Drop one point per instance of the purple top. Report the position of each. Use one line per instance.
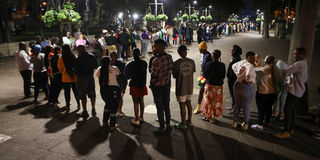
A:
(145, 35)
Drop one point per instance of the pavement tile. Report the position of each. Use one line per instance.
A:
(13, 151)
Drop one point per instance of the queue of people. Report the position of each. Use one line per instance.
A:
(66, 70)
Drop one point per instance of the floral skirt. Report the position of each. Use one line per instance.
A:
(212, 102)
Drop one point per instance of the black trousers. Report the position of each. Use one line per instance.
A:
(66, 87)
(40, 81)
(111, 96)
(55, 88)
(26, 76)
(230, 85)
(264, 104)
(290, 111)
(124, 51)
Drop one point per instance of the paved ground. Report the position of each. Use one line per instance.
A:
(29, 131)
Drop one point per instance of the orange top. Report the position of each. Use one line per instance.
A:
(65, 76)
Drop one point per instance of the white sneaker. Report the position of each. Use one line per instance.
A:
(257, 126)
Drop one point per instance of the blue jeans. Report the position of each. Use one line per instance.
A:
(162, 99)
(281, 99)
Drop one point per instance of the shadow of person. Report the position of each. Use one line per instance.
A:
(16, 106)
(62, 121)
(122, 146)
(43, 111)
(88, 135)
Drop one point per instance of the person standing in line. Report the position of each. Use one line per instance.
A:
(144, 42)
(84, 68)
(25, 68)
(124, 39)
(122, 81)
(214, 72)
(206, 58)
(110, 92)
(297, 78)
(137, 71)
(243, 88)
(55, 76)
(40, 73)
(266, 91)
(232, 77)
(175, 36)
(68, 77)
(160, 83)
(97, 48)
(183, 70)
(278, 108)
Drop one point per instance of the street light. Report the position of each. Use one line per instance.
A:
(120, 15)
(135, 16)
(195, 2)
(210, 6)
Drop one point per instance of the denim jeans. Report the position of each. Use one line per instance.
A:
(111, 96)
(243, 94)
(161, 97)
(281, 99)
(26, 76)
(66, 87)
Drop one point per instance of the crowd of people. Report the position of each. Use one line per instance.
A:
(56, 66)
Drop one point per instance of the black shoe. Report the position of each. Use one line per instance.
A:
(93, 112)
(85, 114)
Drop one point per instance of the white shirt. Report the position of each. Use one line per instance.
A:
(249, 75)
(103, 43)
(113, 73)
(23, 60)
(298, 76)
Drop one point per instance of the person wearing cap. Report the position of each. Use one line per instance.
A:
(183, 70)
(206, 58)
(136, 71)
(236, 52)
(214, 72)
(40, 73)
(84, 68)
(160, 83)
(25, 68)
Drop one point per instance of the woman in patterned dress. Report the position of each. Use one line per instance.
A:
(215, 73)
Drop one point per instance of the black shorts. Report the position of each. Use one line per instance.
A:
(86, 87)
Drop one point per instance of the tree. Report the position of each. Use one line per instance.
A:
(303, 35)
(266, 19)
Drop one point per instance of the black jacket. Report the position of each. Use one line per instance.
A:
(215, 72)
(232, 77)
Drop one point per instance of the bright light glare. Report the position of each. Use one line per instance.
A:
(120, 15)
(135, 16)
(195, 2)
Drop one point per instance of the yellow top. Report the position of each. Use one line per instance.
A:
(65, 76)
